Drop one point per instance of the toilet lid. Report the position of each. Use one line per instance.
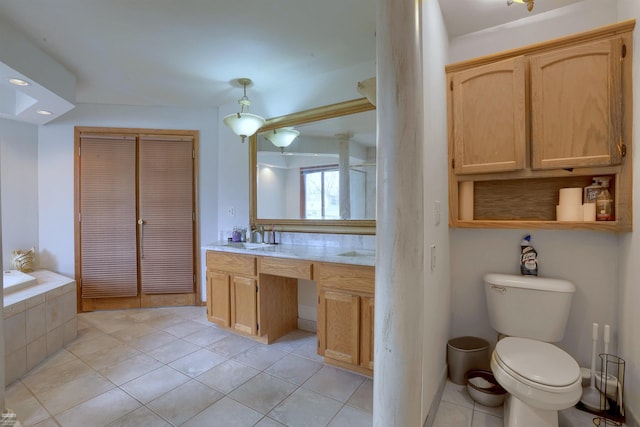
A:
(538, 361)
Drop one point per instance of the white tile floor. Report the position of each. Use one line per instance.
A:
(171, 367)
(458, 409)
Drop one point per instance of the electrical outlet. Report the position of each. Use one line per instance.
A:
(433, 257)
(231, 211)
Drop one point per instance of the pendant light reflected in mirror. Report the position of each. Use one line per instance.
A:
(282, 137)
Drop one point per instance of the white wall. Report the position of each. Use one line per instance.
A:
(56, 171)
(565, 21)
(628, 313)
(437, 288)
(588, 259)
(19, 168)
(272, 191)
(292, 198)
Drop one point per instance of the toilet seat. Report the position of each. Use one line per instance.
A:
(538, 364)
(510, 365)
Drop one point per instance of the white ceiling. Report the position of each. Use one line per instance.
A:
(189, 52)
(468, 16)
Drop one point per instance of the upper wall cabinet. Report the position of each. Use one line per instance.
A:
(576, 106)
(481, 97)
(527, 122)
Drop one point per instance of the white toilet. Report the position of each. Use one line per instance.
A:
(541, 379)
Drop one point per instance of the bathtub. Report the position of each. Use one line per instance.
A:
(39, 318)
(14, 280)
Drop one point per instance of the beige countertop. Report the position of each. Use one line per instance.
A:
(335, 254)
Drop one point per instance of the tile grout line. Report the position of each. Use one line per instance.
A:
(287, 351)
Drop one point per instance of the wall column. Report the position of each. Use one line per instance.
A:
(397, 399)
(345, 183)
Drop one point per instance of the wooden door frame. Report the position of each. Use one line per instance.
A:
(195, 134)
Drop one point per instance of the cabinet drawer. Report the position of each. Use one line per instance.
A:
(357, 278)
(232, 263)
(297, 269)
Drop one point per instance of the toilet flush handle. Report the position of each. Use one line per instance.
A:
(500, 289)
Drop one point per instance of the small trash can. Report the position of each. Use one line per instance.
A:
(465, 354)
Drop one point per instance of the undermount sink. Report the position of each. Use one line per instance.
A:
(264, 247)
(246, 245)
(359, 253)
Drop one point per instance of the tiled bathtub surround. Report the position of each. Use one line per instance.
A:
(38, 321)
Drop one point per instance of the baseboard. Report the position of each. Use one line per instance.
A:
(433, 410)
(307, 325)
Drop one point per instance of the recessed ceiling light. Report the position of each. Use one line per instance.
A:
(44, 112)
(19, 82)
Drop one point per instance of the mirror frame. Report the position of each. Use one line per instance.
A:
(351, 226)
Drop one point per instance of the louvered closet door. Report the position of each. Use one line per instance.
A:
(166, 209)
(107, 225)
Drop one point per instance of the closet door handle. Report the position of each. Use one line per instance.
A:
(141, 224)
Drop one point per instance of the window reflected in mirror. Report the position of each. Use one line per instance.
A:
(328, 172)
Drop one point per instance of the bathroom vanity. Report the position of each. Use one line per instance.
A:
(252, 290)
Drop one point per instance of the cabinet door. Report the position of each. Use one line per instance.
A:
(489, 125)
(338, 326)
(576, 98)
(166, 207)
(219, 298)
(366, 332)
(243, 305)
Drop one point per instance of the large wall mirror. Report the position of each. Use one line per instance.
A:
(325, 180)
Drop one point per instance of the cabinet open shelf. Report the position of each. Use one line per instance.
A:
(531, 203)
(557, 225)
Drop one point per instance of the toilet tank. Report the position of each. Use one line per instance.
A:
(528, 306)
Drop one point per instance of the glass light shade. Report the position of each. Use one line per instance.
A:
(244, 124)
(282, 137)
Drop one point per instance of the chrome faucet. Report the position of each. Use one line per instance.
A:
(259, 232)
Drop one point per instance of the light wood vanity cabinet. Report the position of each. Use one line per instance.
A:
(527, 122)
(366, 331)
(219, 297)
(232, 287)
(345, 315)
(244, 304)
(257, 297)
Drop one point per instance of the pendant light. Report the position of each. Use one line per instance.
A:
(243, 123)
(282, 137)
